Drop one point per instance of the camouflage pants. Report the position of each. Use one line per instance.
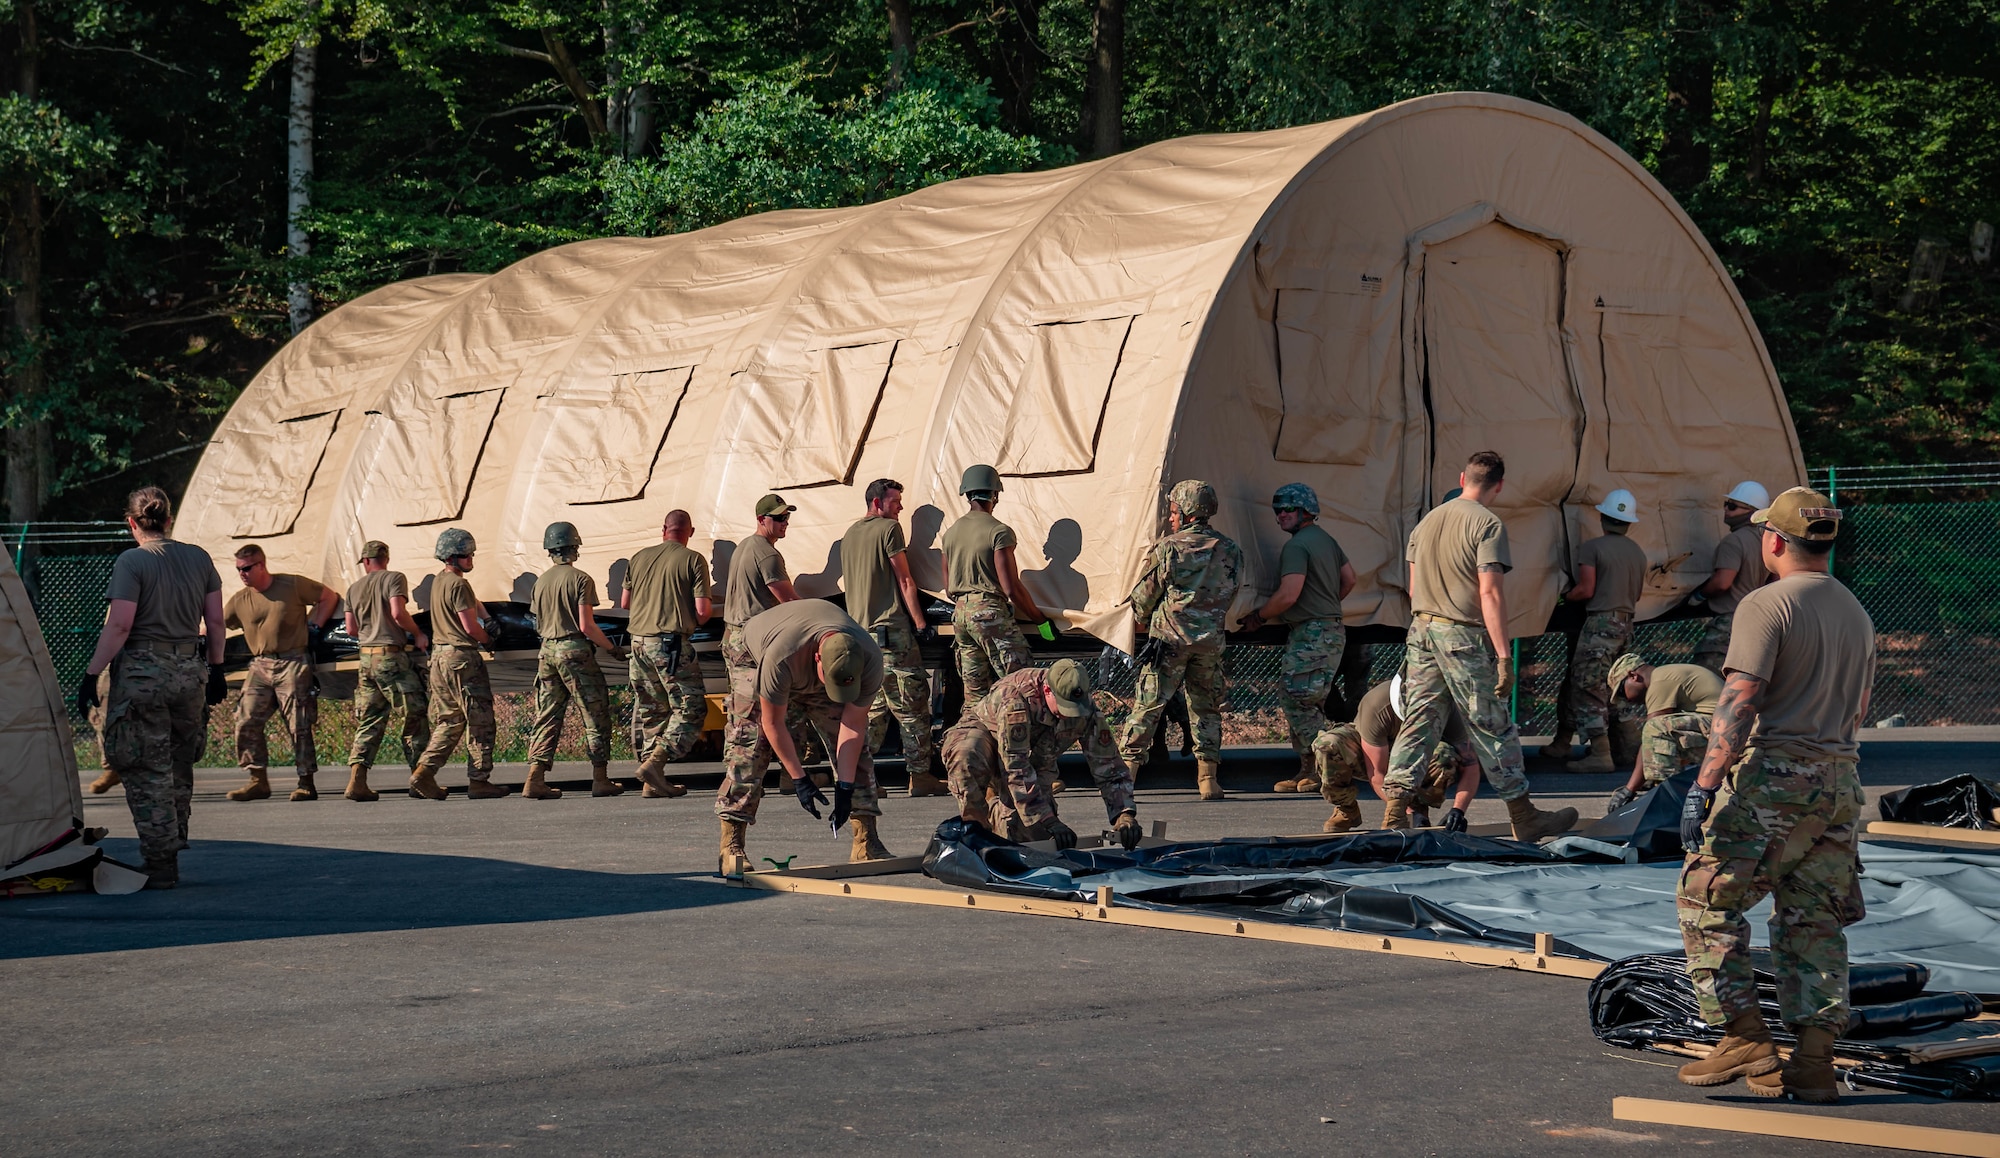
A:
(386, 683)
(461, 702)
(1714, 645)
(1670, 743)
(155, 726)
(746, 754)
(1307, 666)
(667, 710)
(1446, 662)
(986, 642)
(565, 670)
(971, 759)
(1342, 765)
(734, 656)
(276, 685)
(1783, 828)
(1606, 635)
(1198, 672)
(906, 695)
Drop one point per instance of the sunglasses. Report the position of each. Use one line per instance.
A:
(246, 570)
(1288, 510)
(779, 518)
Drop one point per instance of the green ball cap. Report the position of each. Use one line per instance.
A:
(1071, 686)
(841, 662)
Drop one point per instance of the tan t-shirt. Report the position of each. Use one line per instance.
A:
(1682, 687)
(169, 582)
(1316, 555)
(368, 601)
(664, 582)
(1621, 572)
(554, 604)
(451, 593)
(1378, 723)
(1809, 639)
(1445, 553)
(776, 638)
(752, 569)
(865, 572)
(969, 547)
(1743, 550)
(274, 619)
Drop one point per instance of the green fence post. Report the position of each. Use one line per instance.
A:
(21, 547)
(1514, 693)
(1833, 499)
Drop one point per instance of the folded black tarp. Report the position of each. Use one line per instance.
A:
(1961, 802)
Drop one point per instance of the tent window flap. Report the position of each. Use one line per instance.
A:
(439, 444)
(273, 472)
(603, 437)
(1327, 375)
(1057, 410)
(830, 411)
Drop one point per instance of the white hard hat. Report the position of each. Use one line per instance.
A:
(1750, 494)
(1620, 505)
(1396, 694)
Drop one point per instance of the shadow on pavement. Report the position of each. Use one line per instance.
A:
(252, 891)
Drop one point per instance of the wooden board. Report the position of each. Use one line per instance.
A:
(1935, 834)
(1808, 1126)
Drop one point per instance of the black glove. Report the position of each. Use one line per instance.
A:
(843, 805)
(1619, 799)
(314, 634)
(218, 686)
(1454, 820)
(86, 692)
(1062, 835)
(808, 793)
(927, 634)
(1693, 812)
(1127, 827)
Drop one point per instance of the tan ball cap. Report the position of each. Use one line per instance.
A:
(841, 662)
(372, 549)
(773, 505)
(1070, 685)
(1623, 666)
(1802, 513)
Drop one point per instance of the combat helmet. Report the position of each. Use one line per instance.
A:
(562, 538)
(452, 543)
(1194, 499)
(980, 482)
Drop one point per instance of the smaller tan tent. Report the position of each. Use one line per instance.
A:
(39, 795)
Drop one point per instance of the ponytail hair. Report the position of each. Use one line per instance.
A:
(150, 509)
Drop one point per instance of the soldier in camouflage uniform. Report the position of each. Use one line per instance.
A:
(882, 597)
(1313, 577)
(281, 617)
(666, 590)
(1678, 703)
(1739, 569)
(1183, 596)
(1610, 573)
(461, 692)
(564, 605)
(387, 678)
(1008, 744)
(984, 582)
(1775, 810)
(1348, 754)
(160, 654)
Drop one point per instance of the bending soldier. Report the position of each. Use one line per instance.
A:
(1345, 753)
(461, 692)
(666, 590)
(1680, 703)
(1008, 744)
(565, 608)
(883, 598)
(281, 617)
(984, 582)
(1610, 573)
(1739, 570)
(386, 679)
(1313, 577)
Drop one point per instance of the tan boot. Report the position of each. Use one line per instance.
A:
(306, 789)
(424, 783)
(925, 784)
(259, 787)
(734, 860)
(655, 786)
(1345, 818)
(1056, 787)
(1809, 1076)
(1559, 747)
(1599, 759)
(1746, 1050)
(601, 783)
(1396, 809)
(1307, 781)
(867, 845)
(357, 784)
(1531, 823)
(1208, 776)
(484, 789)
(106, 782)
(537, 787)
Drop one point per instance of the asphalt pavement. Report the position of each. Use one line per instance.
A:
(567, 977)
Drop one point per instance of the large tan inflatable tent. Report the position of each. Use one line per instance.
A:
(1356, 305)
(40, 798)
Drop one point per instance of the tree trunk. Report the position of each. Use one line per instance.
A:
(29, 450)
(572, 78)
(1017, 66)
(298, 180)
(1103, 121)
(1685, 154)
(902, 41)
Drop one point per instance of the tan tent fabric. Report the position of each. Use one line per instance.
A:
(40, 796)
(1355, 305)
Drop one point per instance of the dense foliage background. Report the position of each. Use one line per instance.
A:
(1840, 154)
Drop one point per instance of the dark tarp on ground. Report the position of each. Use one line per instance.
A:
(1963, 801)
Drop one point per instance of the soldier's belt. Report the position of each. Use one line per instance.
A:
(577, 638)
(294, 656)
(163, 647)
(382, 648)
(456, 646)
(1445, 619)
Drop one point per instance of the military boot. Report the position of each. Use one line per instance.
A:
(867, 845)
(1745, 1051)
(1809, 1076)
(655, 786)
(601, 783)
(1395, 808)
(537, 787)
(1208, 776)
(733, 860)
(306, 789)
(925, 784)
(424, 783)
(259, 787)
(106, 782)
(357, 784)
(1599, 758)
(1346, 817)
(1559, 747)
(163, 872)
(1307, 780)
(483, 788)
(1532, 824)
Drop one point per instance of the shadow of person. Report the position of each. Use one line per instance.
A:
(823, 582)
(421, 593)
(614, 581)
(524, 588)
(718, 570)
(1059, 584)
(926, 560)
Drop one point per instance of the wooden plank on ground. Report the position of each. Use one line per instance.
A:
(1811, 1127)
(1934, 833)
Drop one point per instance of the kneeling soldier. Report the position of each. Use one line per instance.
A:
(1680, 705)
(1343, 753)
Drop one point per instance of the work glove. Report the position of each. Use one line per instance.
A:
(927, 634)
(218, 686)
(86, 692)
(1503, 677)
(1127, 827)
(491, 627)
(1454, 820)
(1693, 812)
(843, 805)
(1047, 630)
(314, 634)
(1063, 836)
(1620, 799)
(810, 797)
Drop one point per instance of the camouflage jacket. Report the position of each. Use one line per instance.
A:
(1029, 737)
(1190, 579)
